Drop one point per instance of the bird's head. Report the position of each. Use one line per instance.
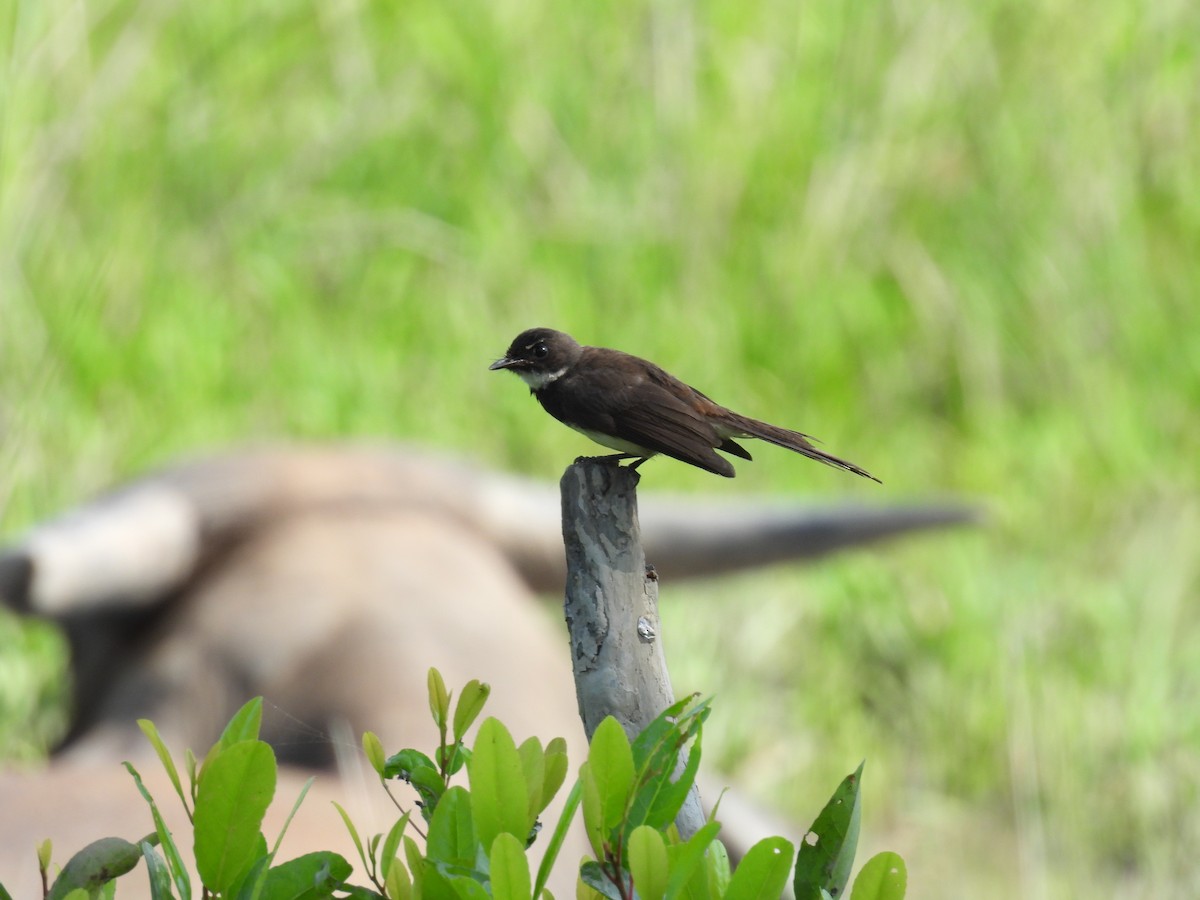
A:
(539, 356)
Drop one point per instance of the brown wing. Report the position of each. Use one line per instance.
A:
(642, 405)
(674, 430)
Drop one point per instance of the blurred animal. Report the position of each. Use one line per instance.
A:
(328, 579)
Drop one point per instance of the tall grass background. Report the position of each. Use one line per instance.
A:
(960, 243)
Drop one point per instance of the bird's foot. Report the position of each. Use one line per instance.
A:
(614, 459)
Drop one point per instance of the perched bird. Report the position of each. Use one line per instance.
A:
(631, 405)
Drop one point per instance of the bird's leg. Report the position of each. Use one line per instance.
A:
(616, 458)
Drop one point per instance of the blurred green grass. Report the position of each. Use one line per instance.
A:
(960, 244)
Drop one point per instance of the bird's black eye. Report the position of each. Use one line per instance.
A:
(540, 350)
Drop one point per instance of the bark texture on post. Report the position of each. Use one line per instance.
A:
(611, 608)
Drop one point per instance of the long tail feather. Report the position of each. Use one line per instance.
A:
(797, 442)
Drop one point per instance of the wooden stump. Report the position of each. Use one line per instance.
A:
(611, 607)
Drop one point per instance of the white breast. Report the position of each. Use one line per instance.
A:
(605, 440)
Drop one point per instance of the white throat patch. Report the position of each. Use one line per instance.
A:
(538, 380)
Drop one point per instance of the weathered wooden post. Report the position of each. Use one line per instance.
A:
(611, 608)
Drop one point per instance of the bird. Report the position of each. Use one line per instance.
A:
(630, 405)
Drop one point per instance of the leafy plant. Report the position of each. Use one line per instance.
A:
(631, 795)
(476, 836)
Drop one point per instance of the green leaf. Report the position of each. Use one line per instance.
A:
(509, 869)
(827, 851)
(533, 768)
(94, 866)
(716, 869)
(246, 882)
(584, 891)
(292, 814)
(164, 757)
(442, 882)
(351, 892)
(593, 811)
(189, 763)
(397, 881)
(235, 790)
(468, 888)
(244, 726)
(307, 877)
(179, 873)
(555, 769)
(452, 832)
(611, 762)
(418, 770)
(429, 786)
(4, 894)
(661, 790)
(557, 838)
(763, 871)
(648, 862)
(453, 758)
(435, 885)
(44, 851)
(884, 877)
(373, 748)
(439, 702)
(355, 839)
(499, 800)
(470, 704)
(392, 844)
(354, 892)
(670, 730)
(412, 853)
(251, 884)
(403, 764)
(686, 857)
(160, 875)
(594, 877)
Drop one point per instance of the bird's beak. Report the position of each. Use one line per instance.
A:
(505, 363)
